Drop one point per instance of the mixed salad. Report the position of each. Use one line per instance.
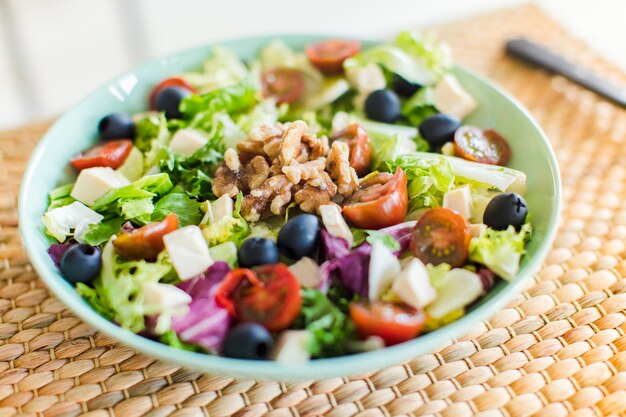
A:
(302, 205)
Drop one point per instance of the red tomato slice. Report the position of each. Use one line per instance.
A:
(486, 146)
(360, 148)
(394, 323)
(285, 84)
(147, 241)
(268, 295)
(111, 154)
(168, 82)
(328, 56)
(382, 201)
(440, 236)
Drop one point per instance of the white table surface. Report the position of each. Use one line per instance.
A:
(53, 53)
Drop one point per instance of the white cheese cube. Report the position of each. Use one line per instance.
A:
(451, 98)
(306, 271)
(60, 221)
(292, 347)
(366, 79)
(413, 285)
(384, 267)
(188, 251)
(458, 288)
(222, 208)
(159, 297)
(334, 222)
(459, 200)
(477, 229)
(93, 183)
(187, 141)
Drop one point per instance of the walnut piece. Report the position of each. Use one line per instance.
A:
(232, 182)
(315, 193)
(318, 145)
(274, 194)
(338, 166)
(297, 172)
(231, 159)
(291, 142)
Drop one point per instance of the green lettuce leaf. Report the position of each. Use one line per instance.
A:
(234, 229)
(102, 232)
(222, 69)
(117, 292)
(178, 202)
(500, 250)
(436, 57)
(200, 109)
(60, 196)
(427, 182)
(171, 338)
(329, 327)
(419, 106)
(134, 201)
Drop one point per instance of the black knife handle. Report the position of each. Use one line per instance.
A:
(540, 56)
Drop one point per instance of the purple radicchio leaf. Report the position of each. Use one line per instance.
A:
(127, 228)
(487, 278)
(206, 323)
(57, 250)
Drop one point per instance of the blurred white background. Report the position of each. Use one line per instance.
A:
(53, 53)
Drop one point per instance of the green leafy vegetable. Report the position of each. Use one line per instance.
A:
(427, 182)
(178, 202)
(436, 57)
(329, 327)
(234, 229)
(500, 250)
(117, 292)
(222, 69)
(200, 109)
(371, 236)
(171, 338)
(193, 174)
(436, 273)
(419, 106)
(102, 232)
(60, 196)
(134, 201)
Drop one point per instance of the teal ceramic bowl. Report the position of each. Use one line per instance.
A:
(76, 131)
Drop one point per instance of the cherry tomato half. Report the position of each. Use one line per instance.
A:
(268, 295)
(380, 202)
(168, 82)
(486, 146)
(360, 148)
(147, 241)
(328, 56)
(111, 154)
(440, 236)
(394, 323)
(285, 84)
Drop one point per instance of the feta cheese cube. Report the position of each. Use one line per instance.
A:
(334, 222)
(366, 79)
(60, 221)
(93, 183)
(222, 208)
(187, 141)
(451, 97)
(413, 285)
(384, 267)
(306, 271)
(458, 288)
(477, 229)
(292, 347)
(188, 251)
(159, 297)
(459, 200)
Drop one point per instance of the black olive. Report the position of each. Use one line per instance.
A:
(504, 210)
(248, 341)
(383, 106)
(116, 126)
(81, 263)
(299, 236)
(257, 251)
(168, 100)
(439, 128)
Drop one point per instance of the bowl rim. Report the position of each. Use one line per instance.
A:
(319, 368)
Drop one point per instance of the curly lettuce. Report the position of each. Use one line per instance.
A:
(500, 250)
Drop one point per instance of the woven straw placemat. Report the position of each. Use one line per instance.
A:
(558, 349)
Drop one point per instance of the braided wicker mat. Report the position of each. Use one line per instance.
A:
(558, 349)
